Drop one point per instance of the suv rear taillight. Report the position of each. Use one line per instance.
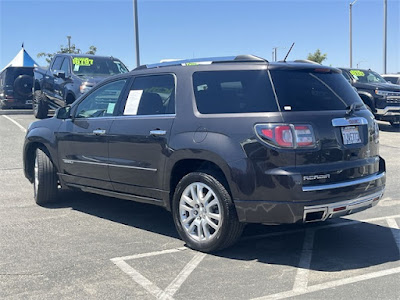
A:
(286, 135)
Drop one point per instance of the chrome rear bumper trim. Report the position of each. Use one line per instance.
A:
(347, 207)
(343, 184)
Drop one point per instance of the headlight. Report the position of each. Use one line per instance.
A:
(85, 87)
(384, 93)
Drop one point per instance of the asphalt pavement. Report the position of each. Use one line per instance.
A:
(92, 247)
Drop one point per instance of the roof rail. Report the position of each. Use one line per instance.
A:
(306, 61)
(205, 61)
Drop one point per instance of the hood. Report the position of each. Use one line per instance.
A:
(93, 79)
(377, 85)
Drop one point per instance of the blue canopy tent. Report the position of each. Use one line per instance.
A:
(22, 59)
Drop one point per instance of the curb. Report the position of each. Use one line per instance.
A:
(16, 112)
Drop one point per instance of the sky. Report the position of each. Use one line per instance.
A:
(187, 29)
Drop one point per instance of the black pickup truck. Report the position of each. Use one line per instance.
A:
(381, 97)
(68, 77)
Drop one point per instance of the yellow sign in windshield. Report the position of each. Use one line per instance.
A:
(82, 61)
(357, 73)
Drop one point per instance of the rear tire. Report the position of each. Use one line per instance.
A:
(204, 214)
(39, 105)
(45, 183)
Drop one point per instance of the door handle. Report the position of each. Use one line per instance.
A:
(158, 132)
(99, 131)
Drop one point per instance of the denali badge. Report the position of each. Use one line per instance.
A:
(313, 177)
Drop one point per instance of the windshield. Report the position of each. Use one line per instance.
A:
(309, 90)
(364, 76)
(97, 66)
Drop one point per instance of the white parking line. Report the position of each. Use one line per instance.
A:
(16, 123)
(301, 280)
(331, 284)
(183, 275)
(149, 286)
(300, 285)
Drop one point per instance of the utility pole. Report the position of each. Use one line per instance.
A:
(351, 32)
(69, 43)
(274, 53)
(384, 35)
(135, 16)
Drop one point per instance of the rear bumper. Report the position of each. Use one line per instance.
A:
(335, 200)
(8, 103)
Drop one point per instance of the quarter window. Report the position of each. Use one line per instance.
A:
(222, 92)
(151, 95)
(101, 102)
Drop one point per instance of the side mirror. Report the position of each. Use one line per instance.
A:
(63, 113)
(59, 74)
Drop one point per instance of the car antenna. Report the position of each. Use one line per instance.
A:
(288, 53)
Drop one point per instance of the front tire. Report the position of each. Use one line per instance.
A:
(45, 183)
(204, 214)
(39, 105)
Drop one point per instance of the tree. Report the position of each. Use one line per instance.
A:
(66, 49)
(317, 56)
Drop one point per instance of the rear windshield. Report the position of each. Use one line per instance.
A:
(97, 66)
(219, 92)
(304, 90)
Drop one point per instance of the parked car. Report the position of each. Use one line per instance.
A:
(393, 78)
(68, 77)
(218, 142)
(16, 87)
(381, 97)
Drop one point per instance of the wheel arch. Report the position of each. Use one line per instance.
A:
(70, 97)
(29, 157)
(368, 99)
(184, 166)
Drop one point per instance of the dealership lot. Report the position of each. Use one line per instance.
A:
(92, 247)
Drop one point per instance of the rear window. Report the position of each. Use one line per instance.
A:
(221, 92)
(304, 90)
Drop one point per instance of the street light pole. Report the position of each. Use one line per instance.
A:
(351, 33)
(135, 16)
(384, 35)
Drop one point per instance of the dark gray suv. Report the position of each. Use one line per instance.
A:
(219, 142)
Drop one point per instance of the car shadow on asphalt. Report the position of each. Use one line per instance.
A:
(337, 244)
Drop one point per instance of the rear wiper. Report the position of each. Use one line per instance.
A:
(352, 108)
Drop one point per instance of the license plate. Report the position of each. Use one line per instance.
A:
(350, 135)
(28, 102)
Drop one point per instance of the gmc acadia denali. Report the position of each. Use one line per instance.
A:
(218, 142)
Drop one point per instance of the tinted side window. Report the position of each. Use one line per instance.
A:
(101, 102)
(305, 90)
(151, 95)
(219, 92)
(57, 63)
(65, 66)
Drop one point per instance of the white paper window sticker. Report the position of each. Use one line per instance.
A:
(76, 68)
(132, 103)
(110, 108)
